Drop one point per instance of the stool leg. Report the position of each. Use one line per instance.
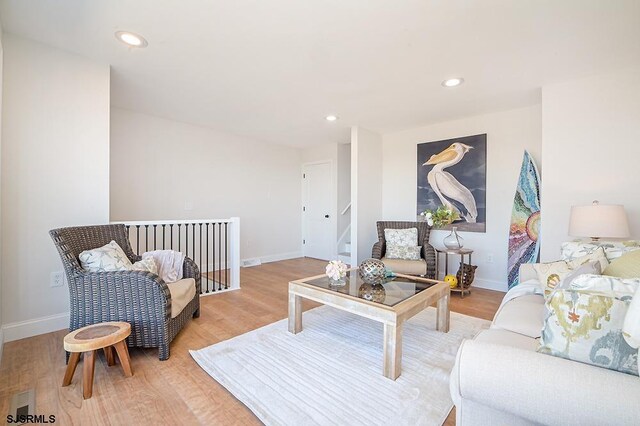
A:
(108, 354)
(71, 368)
(89, 359)
(123, 354)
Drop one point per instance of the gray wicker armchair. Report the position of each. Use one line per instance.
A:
(140, 298)
(428, 254)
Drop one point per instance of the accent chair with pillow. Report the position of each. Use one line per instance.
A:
(408, 252)
(109, 282)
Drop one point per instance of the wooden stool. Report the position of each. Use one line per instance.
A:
(87, 340)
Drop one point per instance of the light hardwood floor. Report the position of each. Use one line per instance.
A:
(175, 391)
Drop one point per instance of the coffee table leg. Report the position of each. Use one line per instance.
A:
(392, 348)
(442, 321)
(295, 314)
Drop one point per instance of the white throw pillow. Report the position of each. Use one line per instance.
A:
(401, 237)
(108, 258)
(147, 265)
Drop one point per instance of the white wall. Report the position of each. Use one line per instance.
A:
(366, 191)
(164, 169)
(1, 78)
(509, 133)
(590, 150)
(55, 172)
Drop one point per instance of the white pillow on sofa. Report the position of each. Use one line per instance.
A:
(108, 258)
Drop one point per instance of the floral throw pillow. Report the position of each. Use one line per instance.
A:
(587, 327)
(597, 254)
(107, 258)
(613, 249)
(403, 252)
(401, 237)
(551, 274)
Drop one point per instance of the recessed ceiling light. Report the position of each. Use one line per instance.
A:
(453, 82)
(331, 117)
(131, 39)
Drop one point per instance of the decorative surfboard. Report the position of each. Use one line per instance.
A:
(524, 233)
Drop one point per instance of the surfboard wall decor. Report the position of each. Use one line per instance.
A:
(524, 232)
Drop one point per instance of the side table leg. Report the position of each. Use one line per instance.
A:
(295, 314)
(71, 368)
(392, 351)
(89, 359)
(123, 354)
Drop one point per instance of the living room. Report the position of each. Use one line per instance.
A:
(252, 115)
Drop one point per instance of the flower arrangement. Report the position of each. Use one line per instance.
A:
(440, 217)
(336, 270)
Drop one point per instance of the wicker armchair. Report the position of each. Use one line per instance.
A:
(428, 253)
(140, 298)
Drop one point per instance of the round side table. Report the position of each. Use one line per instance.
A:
(455, 252)
(87, 340)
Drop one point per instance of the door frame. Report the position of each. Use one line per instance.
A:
(333, 209)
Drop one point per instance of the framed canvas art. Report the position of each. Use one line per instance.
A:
(453, 173)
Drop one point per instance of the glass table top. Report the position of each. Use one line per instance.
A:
(390, 292)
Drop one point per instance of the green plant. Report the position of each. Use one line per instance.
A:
(440, 217)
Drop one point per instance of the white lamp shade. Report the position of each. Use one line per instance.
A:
(599, 220)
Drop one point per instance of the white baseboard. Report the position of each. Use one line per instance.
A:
(33, 327)
(276, 257)
(490, 284)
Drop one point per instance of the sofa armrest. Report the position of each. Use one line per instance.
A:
(527, 272)
(542, 388)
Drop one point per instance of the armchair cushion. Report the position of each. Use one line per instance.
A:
(182, 292)
(407, 267)
(107, 258)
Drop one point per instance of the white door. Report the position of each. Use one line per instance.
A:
(316, 210)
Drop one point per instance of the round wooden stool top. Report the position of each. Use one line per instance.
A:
(96, 336)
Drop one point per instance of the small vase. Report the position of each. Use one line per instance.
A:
(337, 283)
(453, 241)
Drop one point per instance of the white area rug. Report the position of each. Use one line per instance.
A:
(331, 372)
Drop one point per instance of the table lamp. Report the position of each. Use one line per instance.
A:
(598, 220)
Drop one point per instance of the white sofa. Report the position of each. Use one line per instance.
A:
(500, 379)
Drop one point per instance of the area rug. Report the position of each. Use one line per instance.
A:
(331, 372)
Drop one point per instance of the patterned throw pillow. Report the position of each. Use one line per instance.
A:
(146, 264)
(587, 327)
(107, 258)
(401, 237)
(621, 288)
(551, 274)
(613, 249)
(403, 252)
(626, 266)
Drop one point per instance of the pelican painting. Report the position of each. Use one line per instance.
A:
(446, 186)
(453, 173)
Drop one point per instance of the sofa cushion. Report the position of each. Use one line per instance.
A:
(182, 292)
(508, 338)
(408, 267)
(523, 315)
(613, 249)
(626, 266)
(587, 327)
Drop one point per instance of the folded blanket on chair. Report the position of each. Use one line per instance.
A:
(169, 264)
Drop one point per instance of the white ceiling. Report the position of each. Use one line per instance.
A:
(273, 69)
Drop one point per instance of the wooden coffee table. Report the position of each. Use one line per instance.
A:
(392, 303)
